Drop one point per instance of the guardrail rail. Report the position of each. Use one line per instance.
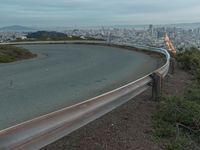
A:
(41, 131)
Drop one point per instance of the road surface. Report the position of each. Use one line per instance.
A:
(63, 75)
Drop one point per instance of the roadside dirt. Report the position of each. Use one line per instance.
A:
(127, 127)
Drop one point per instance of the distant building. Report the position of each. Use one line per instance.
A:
(82, 37)
(23, 37)
(151, 30)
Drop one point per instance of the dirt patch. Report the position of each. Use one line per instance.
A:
(125, 128)
(175, 85)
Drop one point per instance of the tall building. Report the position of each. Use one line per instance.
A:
(151, 30)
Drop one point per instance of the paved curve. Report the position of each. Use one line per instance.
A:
(63, 75)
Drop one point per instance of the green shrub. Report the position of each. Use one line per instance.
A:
(175, 110)
(177, 117)
(193, 92)
(5, 59)
(181, 143)
(10, 53)
(190, 59)
(197, 75)
(163, 129)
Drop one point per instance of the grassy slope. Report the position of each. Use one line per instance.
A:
(177, 122)
(11, 53)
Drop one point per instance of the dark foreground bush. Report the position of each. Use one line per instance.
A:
(177, 121)
(193, 92)
(180, 112)
(182, 142)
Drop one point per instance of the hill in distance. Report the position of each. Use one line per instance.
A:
(46, 35)
(17, 28)
(54, 36)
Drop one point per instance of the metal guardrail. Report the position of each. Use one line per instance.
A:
(41, 131)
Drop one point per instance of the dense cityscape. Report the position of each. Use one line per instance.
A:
(150, 36)
(100, 75)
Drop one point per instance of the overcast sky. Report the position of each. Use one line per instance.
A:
(97, 12)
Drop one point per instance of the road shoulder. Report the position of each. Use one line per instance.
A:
(127, 127)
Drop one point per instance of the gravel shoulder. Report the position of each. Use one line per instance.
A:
(127, 127)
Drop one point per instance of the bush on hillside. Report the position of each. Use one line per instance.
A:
(190, 61)
(10, 53)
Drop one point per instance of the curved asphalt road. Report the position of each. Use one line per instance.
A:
(63, 75)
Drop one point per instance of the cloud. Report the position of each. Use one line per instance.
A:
(97, 12)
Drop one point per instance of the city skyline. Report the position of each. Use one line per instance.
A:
(97, 13)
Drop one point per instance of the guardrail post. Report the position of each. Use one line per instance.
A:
(156, 86)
